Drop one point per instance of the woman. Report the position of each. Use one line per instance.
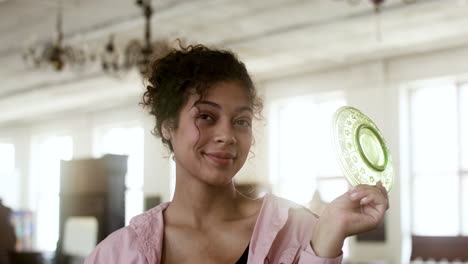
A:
(204, 103)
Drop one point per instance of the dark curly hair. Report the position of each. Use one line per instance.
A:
(195, 68)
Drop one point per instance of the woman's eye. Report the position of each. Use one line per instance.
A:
(205, 117)
(243, 123)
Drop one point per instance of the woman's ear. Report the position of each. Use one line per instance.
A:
(165, 130)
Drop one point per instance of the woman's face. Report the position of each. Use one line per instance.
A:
(214, 134)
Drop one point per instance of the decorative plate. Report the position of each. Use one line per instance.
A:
(361, 149)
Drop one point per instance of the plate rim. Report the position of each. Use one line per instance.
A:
(339, 150)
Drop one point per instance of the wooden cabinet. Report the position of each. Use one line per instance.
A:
(92, 187)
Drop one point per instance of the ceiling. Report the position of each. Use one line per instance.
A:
(273, 37)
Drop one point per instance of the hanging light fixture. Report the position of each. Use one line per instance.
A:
(110, 57)
(378, 23)
(377, 9)
(136, 53)
(377, 3)
(55, 53)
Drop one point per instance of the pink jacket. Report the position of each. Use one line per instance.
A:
(282, 234)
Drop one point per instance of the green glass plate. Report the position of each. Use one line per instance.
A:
(361, 149)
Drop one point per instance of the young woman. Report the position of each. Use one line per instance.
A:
(204, 103)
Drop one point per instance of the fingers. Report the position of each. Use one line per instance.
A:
(367, 194)
(384, 192)
(382, 188)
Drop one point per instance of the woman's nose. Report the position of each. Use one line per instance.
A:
(226, 139)
(225, 134)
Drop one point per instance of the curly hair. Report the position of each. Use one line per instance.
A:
(195, 68)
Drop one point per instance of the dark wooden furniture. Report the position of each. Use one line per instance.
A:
(92, 187)
(437, 248)
(25, 258)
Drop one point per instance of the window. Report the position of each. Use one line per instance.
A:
(125, 141)
(172, 177)
(8, 178)
(463, 136)
(45, 186)
(439, 159)
(303, 159)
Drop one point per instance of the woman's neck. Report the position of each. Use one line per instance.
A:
(198, 204)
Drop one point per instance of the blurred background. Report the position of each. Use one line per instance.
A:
(71, 84)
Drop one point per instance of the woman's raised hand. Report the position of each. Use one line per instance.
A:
(359, 210)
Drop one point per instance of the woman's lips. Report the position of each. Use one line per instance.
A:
(220, 158)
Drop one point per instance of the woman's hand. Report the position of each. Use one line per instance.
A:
(359, 210)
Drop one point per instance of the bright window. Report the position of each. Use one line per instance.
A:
(125, 141)
(303, 159)
(172, 177)
(463, 136)
(45, 186)
(439, 155)
(8, 178)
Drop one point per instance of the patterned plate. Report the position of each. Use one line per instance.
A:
(361, 149)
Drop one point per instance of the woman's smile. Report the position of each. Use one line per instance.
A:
(221, 158)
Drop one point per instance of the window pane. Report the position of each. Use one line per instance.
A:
(434, 130)
(303, 157)
(330, 189)
(296, 154)
(46, 185)
(9, 187)
(435, 205)
(328, 165)
(464, 205)
(47, 222)
(305, 149)
(172, 177)
(133, 204)
(126, 141)
(464, 127)
(7, 156)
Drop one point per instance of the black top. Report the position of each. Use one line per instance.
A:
(243, 258)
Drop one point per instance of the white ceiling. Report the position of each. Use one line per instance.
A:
(273, 37)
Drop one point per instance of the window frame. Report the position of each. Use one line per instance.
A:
(275, 107)
(460, 173)
(11, 201)
(35, 193)
(97, 133)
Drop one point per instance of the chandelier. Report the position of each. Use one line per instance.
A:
(137, 53)
(377, 8)
(55, 53)
(377, 3)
